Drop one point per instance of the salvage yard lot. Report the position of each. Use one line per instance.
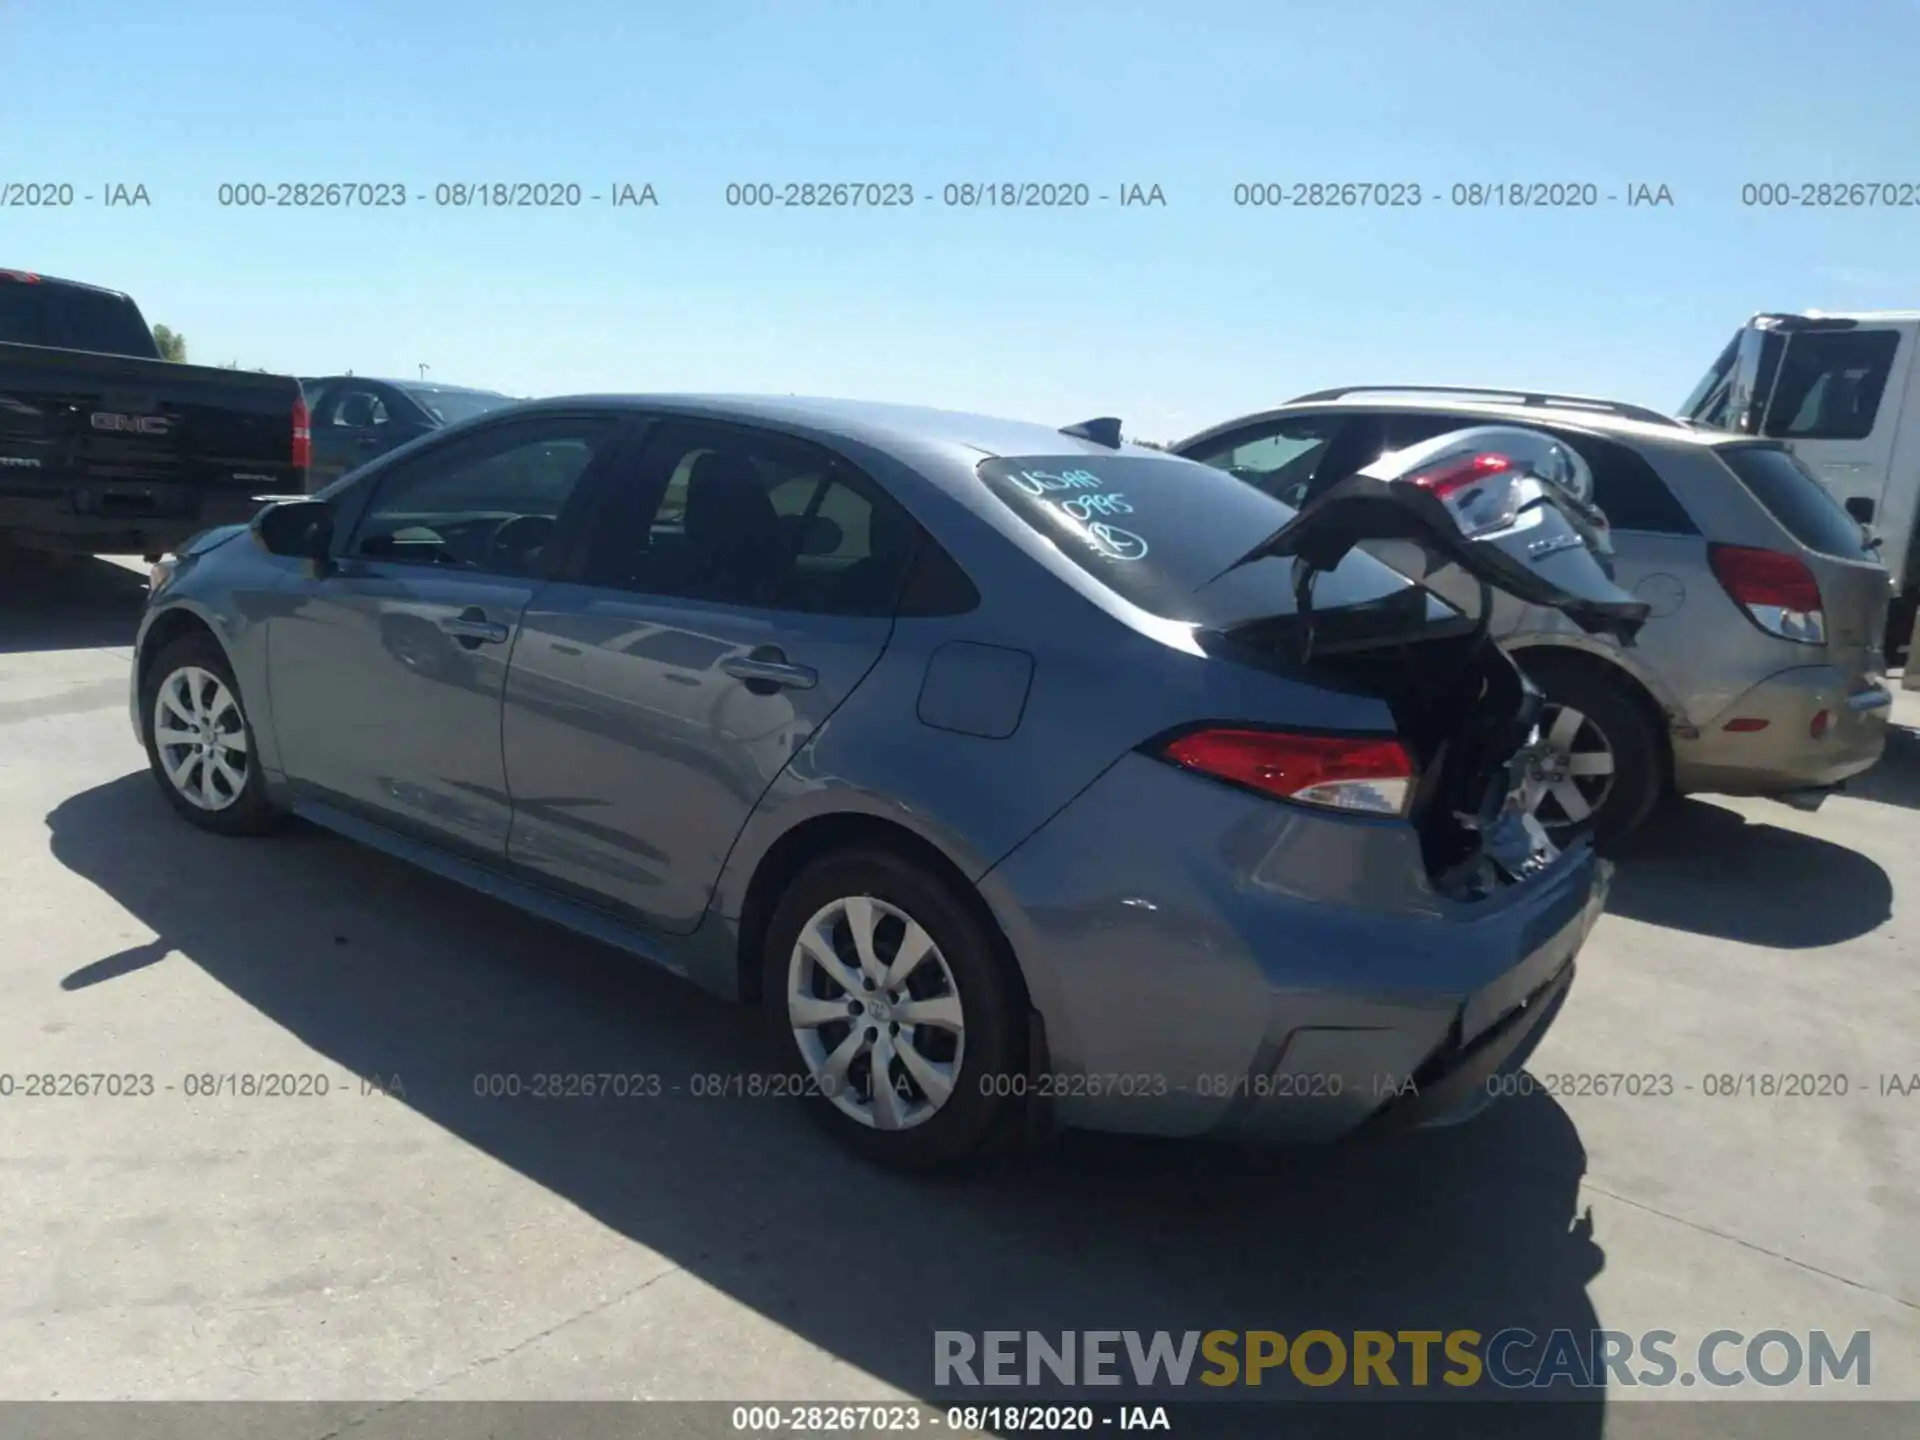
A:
(449, 1244)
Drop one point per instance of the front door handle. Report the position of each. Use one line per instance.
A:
(767, 669)
(471, 627)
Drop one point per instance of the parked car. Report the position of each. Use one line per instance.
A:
(105, 448)
(356, 419)
(1760, 671)
(1842, 391)
(1022, 776)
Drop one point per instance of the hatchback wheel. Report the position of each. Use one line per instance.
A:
(1601, 772)
(895, 1009)
(200, 743)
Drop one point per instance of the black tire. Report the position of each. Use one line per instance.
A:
(981, 1108)
(250, 812)
(1639, 748)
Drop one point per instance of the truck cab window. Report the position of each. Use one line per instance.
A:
(1830, 383)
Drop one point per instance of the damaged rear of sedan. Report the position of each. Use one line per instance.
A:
(1054, 782)
(1318, 900)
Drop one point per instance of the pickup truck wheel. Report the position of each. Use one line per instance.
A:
(200, 743)
(1603, 772)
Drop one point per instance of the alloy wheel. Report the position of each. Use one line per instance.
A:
(1574, 773)
(875, 1013)
(200, 736)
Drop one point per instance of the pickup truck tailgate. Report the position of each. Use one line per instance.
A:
(136, 451)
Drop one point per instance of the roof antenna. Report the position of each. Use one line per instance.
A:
(1103, 431)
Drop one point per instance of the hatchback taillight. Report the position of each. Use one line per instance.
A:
(1370, 774)
(1477, 489)
(1777, 591)
(1458, 472)
(302, 436)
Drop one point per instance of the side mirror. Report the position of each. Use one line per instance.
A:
(297, 529)
(1861, 509)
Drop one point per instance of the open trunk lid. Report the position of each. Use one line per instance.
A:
(1379, 588)
(1490, 508)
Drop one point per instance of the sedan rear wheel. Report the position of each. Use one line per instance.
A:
(895, 1007)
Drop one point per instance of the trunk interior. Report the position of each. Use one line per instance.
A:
(1463, 710)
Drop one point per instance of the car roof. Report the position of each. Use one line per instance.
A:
(1882, 316)
(430, 386)
(880, 424)
(1495, 412)
(35, 277)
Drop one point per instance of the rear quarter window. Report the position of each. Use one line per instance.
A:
(1794, 496)
(1629, 491)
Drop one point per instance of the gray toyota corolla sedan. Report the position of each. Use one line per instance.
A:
(1023, 777)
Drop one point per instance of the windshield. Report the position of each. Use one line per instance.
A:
(1159, 532)
(72, 317)
(1698, 404)
(449, 406)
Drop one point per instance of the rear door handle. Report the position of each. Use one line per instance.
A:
(472, 625)
(767, 669)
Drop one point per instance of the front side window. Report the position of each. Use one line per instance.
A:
(489, 502)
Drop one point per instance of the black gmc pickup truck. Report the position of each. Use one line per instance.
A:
(105, 448)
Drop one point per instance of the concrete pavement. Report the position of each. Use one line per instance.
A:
(443, 1243)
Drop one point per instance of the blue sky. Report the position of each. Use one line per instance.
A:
(1171, 317)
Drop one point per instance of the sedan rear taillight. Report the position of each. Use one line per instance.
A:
(1369, 774)
(1777, 591)
(302, 436)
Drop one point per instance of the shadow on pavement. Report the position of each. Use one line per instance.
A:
(67, 604)
(387, 971)
(1896, 779)
(1701, 867)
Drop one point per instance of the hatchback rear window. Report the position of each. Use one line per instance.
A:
(450, 406)
(1794, 496)
(1158, 532)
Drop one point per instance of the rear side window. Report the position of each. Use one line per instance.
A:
(1830, 384)
(1796, 498)
(71, 317)
(1158, 531)
(1628, 490)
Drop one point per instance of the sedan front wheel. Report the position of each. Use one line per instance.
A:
(200, 744)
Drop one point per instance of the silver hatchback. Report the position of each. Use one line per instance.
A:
(1759, 671)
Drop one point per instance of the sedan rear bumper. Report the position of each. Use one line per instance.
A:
(1211, 962)
(1784, 753)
